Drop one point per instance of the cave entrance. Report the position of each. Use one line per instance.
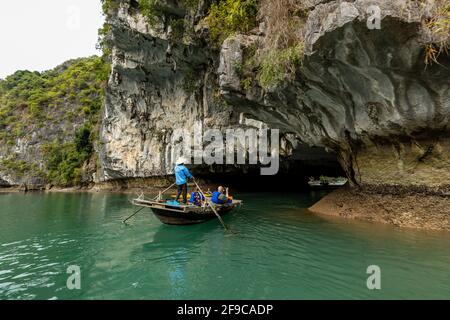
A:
(293, 175)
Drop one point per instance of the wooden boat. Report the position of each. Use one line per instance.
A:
(327, 183)
(179, 214)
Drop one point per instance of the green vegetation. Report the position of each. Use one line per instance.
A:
(228, 17)
(249, 66)
(20, 167)
(64, 161)
(439, 24)
(152, 9)
(78, 81)
(278, 65)
(284, 43)
(103, 43)
(191, 4)
(190, 82)
(52, 104)
(109, 5)
(103, 40)
(177, 26)
(281, 54)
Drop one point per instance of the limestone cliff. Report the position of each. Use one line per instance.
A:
(160, 82)
(48, 124)
(366, 95)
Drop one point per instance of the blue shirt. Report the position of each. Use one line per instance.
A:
(182, 174)
(215, 198)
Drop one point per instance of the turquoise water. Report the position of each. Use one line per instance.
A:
(277, 251)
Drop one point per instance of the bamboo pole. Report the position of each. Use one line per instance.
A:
(161, 193)
(157, 197)
(125, 221)
(212, 207)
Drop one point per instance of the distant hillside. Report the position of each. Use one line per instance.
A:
(49, 123)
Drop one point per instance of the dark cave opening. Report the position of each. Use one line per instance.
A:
(294, 172)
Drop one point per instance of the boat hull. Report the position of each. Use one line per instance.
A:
(176, 214)
(187, 218)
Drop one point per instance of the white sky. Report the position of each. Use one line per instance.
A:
(38, 35)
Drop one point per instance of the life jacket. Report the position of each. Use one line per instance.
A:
(216, 198)
(201, 197)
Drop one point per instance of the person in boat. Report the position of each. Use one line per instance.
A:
(197, 198)
(182, 175)
(220, 196)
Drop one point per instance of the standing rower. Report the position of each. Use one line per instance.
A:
(182, 175)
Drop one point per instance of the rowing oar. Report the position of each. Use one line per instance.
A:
(124, 221)
(212, 207)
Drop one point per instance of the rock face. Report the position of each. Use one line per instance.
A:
(4, 183)
(158, 85)
(385, 111)
(364, 95)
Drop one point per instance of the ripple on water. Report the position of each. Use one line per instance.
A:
(277, 251)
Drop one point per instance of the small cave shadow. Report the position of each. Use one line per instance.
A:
(294, 179)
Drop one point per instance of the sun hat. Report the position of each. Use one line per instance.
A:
(180, 160)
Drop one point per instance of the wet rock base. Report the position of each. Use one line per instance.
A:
(413, 207)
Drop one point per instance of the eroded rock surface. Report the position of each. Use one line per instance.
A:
(158, 85)
(364, 94)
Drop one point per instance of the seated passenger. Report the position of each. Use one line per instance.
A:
(219, 196)
(197, 198)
